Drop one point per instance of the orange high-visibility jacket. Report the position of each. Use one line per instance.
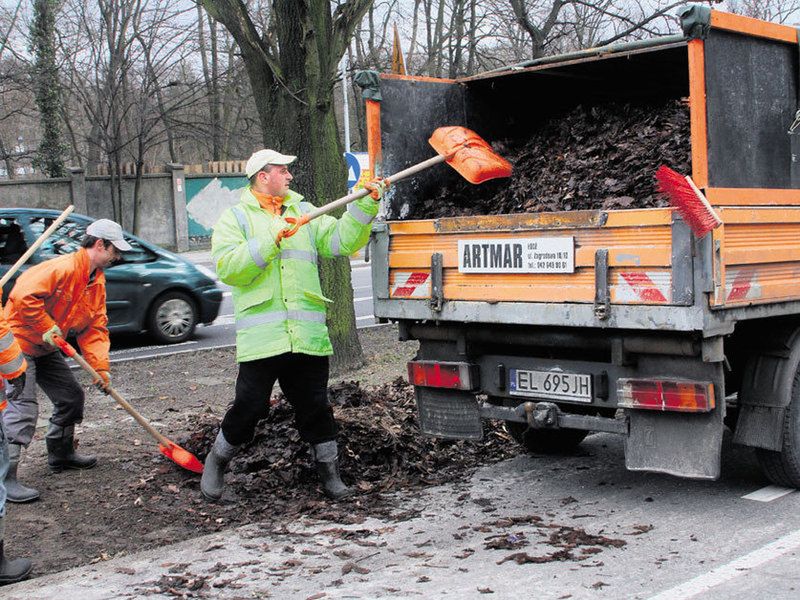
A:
(59, 292)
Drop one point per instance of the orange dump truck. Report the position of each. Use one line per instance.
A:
(616, 321)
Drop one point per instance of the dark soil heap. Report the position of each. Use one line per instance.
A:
(381, 449)
(598, 157)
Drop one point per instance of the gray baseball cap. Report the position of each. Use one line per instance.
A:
(106, 229)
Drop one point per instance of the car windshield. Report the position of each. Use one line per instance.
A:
(68, 237)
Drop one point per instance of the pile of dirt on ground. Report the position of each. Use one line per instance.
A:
(596, 157)
(381, 450)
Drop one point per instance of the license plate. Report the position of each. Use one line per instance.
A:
(553, 385)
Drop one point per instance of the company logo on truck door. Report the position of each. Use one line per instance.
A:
(517, 255)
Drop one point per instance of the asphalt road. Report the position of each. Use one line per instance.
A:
(732, 539)
(221, 333)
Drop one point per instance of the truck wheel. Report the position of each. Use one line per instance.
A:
(545, 441)
(782, 467)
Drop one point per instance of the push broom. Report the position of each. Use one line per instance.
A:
(688, 200)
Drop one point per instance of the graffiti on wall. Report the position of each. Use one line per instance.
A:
(207, 197)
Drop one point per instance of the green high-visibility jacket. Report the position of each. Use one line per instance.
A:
(277, 299)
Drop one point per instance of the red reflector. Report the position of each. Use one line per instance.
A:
(667, 395)
(453, 375)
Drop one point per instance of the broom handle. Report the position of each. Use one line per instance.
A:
(67, 349)
(46, 234)
(703, 199)
(412, 170)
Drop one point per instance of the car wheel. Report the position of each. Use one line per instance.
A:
(172, 318)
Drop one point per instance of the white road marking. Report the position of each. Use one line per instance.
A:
(732, 570)
(226, 294)
(141, 348)
(160, 354)
(362, 298)
(769, 493)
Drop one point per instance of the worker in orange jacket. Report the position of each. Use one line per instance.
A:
(12, 377)
(60, 297)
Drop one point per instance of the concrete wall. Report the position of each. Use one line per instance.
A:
(156, 217)
(162, 214)
(31, 193)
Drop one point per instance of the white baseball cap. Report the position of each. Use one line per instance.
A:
(262, 158)
(106, 229)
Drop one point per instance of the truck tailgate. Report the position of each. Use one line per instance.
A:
(638, 246)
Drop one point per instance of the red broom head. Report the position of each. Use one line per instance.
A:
(689, 202)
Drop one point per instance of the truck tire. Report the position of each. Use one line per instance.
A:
(546, 441)
(782, 467)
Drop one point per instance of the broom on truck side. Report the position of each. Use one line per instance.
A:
(461, 148)
(688, 200)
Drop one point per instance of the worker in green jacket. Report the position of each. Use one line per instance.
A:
(280, 311)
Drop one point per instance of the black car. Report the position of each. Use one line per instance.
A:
(149, 289)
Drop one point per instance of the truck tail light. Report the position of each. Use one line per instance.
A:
(452, 375)
(666, 395)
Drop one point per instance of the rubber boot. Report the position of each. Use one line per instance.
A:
(61, 450)
(15, 491)
(212, 483)
(326, 457)
(11, 571)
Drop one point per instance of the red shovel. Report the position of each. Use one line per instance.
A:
(461, 148)
(182, 458)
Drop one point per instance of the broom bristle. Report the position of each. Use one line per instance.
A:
(686, 201)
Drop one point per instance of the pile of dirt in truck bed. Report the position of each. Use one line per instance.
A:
(381, 450)
(594, 157)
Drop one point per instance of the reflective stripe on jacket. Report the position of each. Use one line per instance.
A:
(277, 299)
(61, 292)
(12, 362)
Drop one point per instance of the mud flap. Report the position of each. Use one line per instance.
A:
(449, 414)
(687, 445)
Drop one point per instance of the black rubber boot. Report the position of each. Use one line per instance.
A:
(15, 491)
(12, 571)
(326, 457)
(61, 453)
(212, 483)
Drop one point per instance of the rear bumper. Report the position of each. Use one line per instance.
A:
(210, 304)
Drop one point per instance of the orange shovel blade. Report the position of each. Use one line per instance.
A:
(469, 154)
(182, 458)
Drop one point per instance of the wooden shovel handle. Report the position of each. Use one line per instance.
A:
(412, 170)
(68, 350)
(35, 246)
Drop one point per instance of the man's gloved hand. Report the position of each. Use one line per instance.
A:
(277, 227)
(17, 385)
(377, 188)
(103, 382)
(47, 337)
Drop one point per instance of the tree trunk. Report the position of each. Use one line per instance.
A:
(320, 171)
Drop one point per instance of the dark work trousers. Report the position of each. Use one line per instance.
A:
(303, 379)
(51, 373)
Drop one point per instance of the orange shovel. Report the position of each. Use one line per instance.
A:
(461, 148)
(182, 458)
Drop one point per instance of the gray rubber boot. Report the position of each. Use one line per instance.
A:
(61, 450)
(11, 571)
(15, 491)
(326, 457)
(212, 483)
